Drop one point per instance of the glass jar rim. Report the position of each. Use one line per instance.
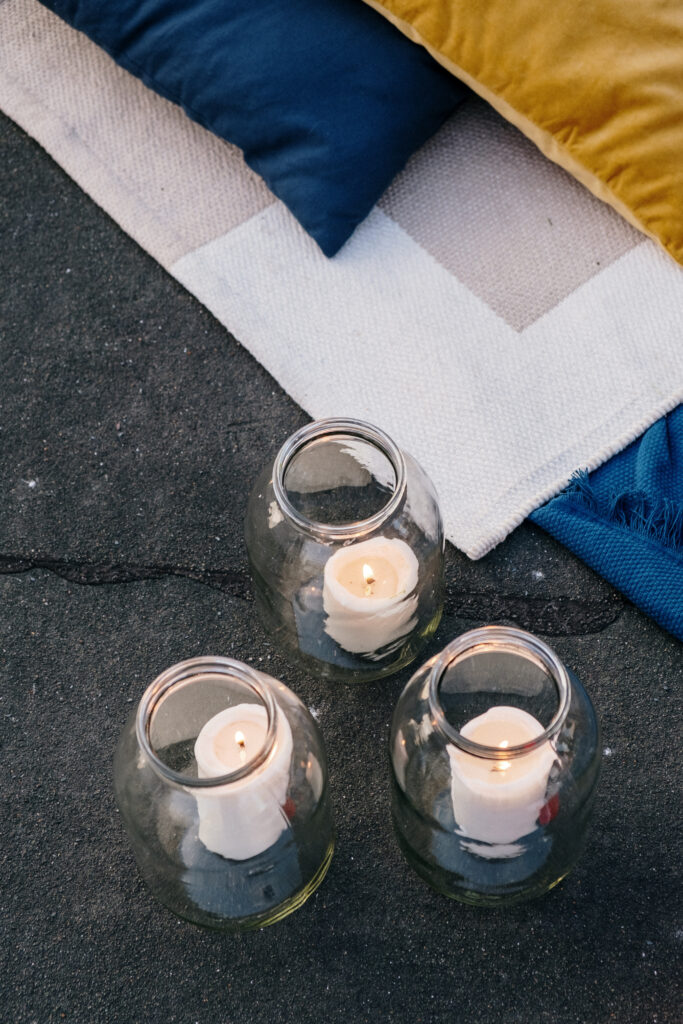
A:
(356, 428)
(181, 673)
(513, 640)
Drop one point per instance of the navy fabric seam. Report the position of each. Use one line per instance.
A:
(122, 58)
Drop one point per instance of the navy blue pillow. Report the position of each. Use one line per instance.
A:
(326, 99)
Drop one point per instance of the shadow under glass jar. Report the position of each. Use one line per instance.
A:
(346, 550)
(495, 758)
(221, 779)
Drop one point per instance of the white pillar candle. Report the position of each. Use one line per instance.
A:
(240, 819)
(499, 801)
(368, 594)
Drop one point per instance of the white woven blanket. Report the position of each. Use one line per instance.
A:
(499, 322)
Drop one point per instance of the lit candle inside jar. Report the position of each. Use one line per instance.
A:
(240, 819)
(368, 594)
(498, 801)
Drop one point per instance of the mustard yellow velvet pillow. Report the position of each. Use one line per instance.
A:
(596, 84)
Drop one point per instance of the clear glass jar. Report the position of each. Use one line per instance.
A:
(346, 549)
(495, 754)
(221, 779)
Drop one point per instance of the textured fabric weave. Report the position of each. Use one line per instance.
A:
(626, 521)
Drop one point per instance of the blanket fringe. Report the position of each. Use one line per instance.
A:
(655, 518)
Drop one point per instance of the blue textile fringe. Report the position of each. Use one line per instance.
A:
(626, 520)
(657, 519)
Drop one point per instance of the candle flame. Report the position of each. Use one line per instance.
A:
(369, 578)
(502, 766)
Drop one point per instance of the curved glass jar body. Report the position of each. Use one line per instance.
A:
(495, 758)
(346, 549)
(221, 779)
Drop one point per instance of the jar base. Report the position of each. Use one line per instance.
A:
(477, 899)
(456, 887)
(268, 917)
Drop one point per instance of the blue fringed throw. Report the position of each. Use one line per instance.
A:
(626, 520)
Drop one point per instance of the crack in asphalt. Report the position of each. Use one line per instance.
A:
(549, 615)
(96, 574)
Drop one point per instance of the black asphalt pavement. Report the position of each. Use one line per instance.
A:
(131, 428)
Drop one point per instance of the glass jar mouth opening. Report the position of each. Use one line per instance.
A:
(512, 641)
(182, 675)
(328, 428)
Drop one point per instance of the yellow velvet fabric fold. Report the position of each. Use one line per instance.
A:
(596, 84)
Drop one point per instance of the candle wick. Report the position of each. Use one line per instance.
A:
(241, 743)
